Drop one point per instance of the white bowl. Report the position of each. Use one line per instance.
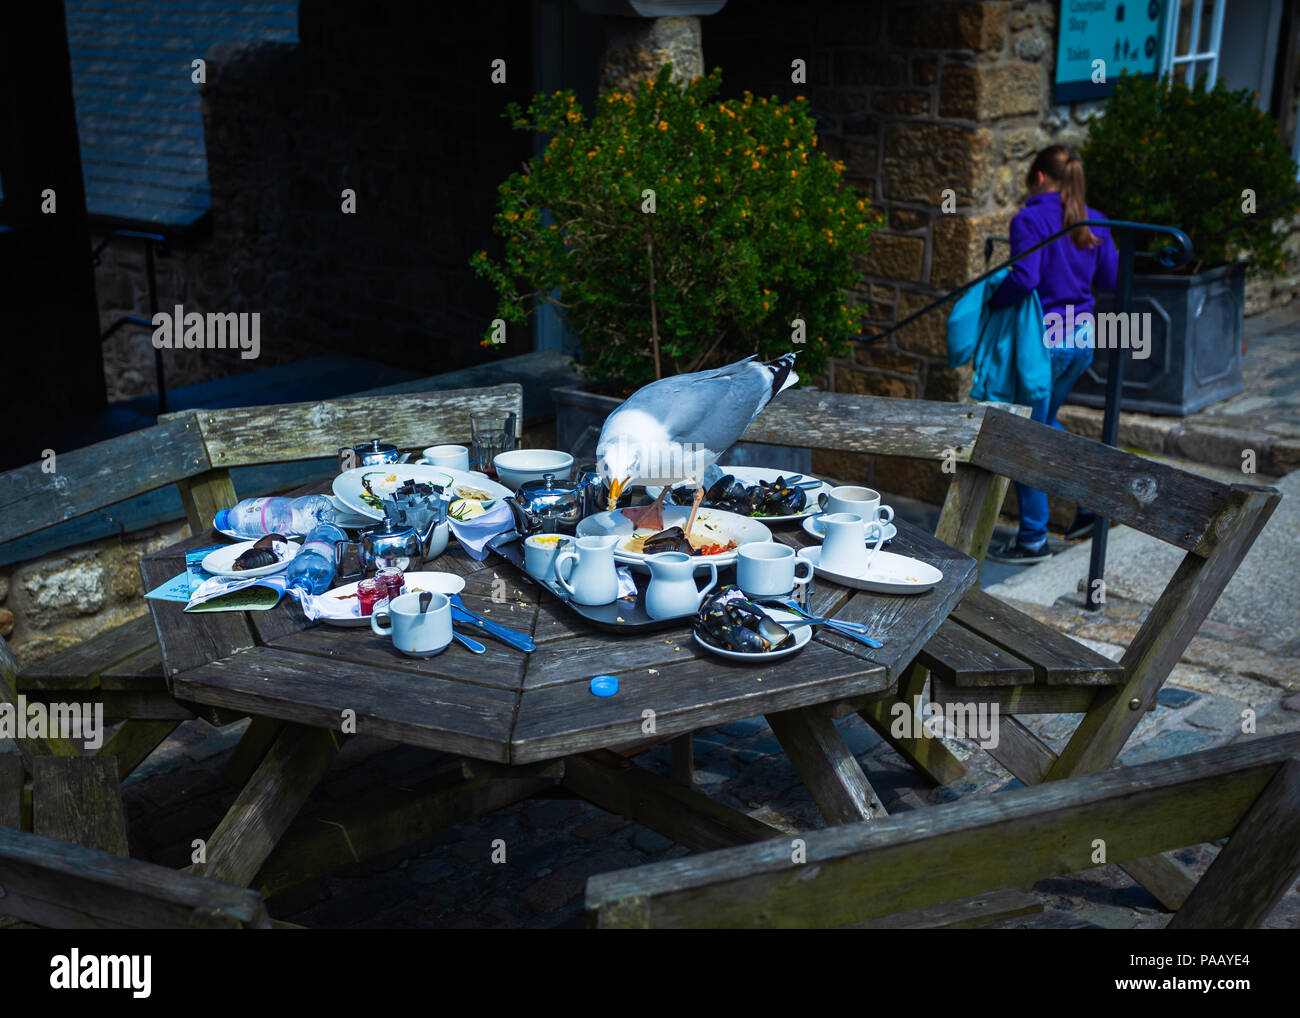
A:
(516, 468)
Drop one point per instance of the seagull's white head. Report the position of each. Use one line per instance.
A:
(618, 463)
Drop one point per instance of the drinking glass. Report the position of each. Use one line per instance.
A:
(492, 434)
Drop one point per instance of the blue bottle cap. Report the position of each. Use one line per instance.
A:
(221, 521)
(604, 685)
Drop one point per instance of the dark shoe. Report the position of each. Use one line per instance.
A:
(1016, 554)
(1081, 527)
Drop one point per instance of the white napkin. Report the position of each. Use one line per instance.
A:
(626, 585)
(474, 534)
(318, 606)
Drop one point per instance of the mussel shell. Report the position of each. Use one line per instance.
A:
(720, 489)
(672, 539)
(268, 542)
(255, 558)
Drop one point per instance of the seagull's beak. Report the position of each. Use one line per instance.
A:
(617, 486)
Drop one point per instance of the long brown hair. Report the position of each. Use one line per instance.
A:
(1063, 165)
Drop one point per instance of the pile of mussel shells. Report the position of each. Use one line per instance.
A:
(730, 621)
(261, 554)
(766, 498)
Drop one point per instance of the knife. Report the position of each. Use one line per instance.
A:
(519, 641)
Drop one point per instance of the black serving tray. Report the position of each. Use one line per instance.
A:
(621, 616)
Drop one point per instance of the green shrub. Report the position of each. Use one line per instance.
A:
(1166, 153)
(751, 229)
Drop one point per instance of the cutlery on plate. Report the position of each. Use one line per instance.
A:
(503, 633)
(465, 641)
(851, 630)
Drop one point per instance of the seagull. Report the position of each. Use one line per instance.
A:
(676, 428)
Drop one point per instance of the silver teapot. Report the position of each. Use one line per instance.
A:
(414, 531)
(369, 454)
(552, 506)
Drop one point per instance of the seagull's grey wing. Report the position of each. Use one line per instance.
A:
(710, 409)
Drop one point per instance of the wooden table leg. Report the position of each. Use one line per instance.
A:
(133, 741)
(836, 781)
(266, 807)
(684, 759)
(251, 750)
(929, 756)
(618, 786)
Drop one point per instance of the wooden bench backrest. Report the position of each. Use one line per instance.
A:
(907, 861)
(195, 448)
(55, 883)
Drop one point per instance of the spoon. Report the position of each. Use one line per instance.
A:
(425, 598)
(469, 644)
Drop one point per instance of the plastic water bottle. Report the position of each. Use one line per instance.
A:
(312, 569)
(257, 517)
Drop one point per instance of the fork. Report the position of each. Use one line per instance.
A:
(852, 630)
(503, 633)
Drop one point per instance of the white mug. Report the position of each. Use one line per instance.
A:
(540, 551)
(454, 457)
(845, 548)
(770, 570)
(415, 633)
(864, 502)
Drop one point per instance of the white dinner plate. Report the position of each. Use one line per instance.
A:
(348, 489)
(221, 561)
(802, 631)
(752, 475)
(886, 573)
(812, 526)
(718, 526)
(417, 582)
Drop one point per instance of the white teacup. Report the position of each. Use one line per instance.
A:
(770, 570)
(416, 633)
(539, 554)
(845, 548)
(454, 457)
(864, 502)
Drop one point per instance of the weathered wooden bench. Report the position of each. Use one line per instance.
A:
(990, 653)
(122, 668)
(901, 871)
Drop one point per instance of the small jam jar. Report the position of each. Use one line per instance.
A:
(368, 592)
(391, 581)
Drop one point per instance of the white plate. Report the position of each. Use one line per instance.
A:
(713, 523)
(802, 634)
(813, 528)
(438, 583)
(752, 475)
(887, 573)
(347, 485)
(221, 561)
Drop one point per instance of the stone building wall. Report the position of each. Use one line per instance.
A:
(54, 602)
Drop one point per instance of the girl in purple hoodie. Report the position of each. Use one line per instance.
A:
(1064, 273)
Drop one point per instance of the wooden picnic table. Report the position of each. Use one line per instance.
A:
(517, 723)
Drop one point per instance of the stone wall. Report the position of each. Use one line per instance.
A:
(55, 602)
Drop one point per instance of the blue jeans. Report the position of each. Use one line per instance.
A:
(1067, 365)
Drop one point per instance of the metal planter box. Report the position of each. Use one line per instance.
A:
(579, 416)
(1195, 344)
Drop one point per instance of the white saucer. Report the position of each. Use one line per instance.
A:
(438, 583)
(221, 561)
(802, 634)
(886, 573)
(812, 527)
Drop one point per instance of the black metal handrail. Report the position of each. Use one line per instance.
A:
(1172, 256)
